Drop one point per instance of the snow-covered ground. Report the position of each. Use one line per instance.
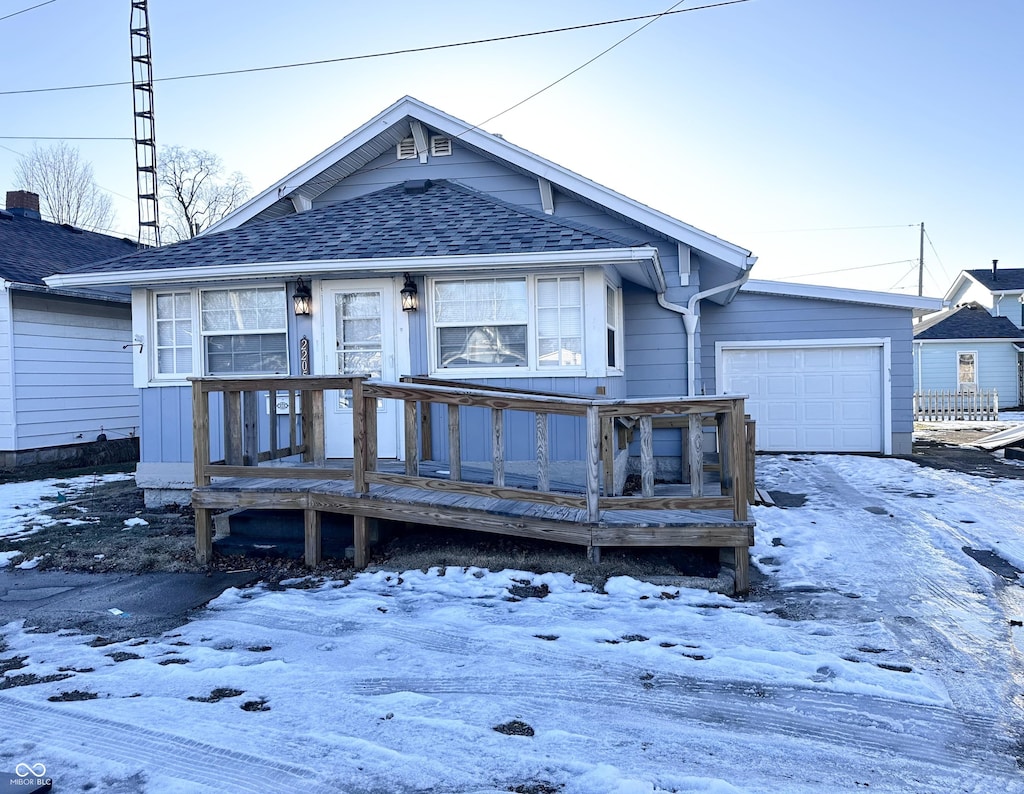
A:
(876, 655)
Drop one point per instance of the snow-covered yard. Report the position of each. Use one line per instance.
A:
(876, 655)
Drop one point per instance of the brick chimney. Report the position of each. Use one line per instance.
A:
(23, 203)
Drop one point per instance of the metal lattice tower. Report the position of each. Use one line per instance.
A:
(145, 132)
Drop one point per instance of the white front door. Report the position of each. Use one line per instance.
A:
(359, 338)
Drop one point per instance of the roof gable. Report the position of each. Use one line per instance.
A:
(31, 249)
(384, 131)
(969, 321)
(1006, 280)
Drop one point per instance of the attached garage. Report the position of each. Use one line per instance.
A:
(807, 396)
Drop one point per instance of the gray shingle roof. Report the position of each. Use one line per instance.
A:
(445, 219)
(1009, 279)
(31, 249)
(969, 322)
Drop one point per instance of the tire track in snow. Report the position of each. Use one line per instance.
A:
(206, 766)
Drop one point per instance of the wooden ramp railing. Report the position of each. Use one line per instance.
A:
(254, 445)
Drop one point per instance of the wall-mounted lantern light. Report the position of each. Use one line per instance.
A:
(410, 296)
(303, 298)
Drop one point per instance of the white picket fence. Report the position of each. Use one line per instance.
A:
(948, 405)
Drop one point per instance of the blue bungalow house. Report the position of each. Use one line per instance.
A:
(421, 245)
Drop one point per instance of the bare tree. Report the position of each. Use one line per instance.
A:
(194, 192)
(67, 191)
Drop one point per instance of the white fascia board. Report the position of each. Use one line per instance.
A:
(503, 150)
(841, 294)
(429, 264)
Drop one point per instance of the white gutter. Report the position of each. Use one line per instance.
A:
(313, 267)
(691, 322)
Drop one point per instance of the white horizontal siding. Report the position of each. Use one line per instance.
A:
(72, 375)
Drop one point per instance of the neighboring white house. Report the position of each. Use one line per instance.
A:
(999, 291)
(66, 392)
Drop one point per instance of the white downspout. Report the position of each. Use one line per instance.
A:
(691, 321)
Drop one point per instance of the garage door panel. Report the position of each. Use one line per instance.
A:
(810, 399)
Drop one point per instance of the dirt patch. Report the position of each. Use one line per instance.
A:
(90, 534)
(963, 458)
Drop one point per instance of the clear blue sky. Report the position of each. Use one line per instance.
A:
(775, 124)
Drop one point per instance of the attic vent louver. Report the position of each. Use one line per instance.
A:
(416, 186)
(407, 149)
(440, 146)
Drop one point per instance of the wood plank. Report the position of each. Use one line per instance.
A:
(312, 537)
(695, 455)
(313, 407)
(738, 460)
(272, 423)
(280, 472)
(608, 455)
(200, 435)
(593, 461)
(412, 457)
(478, 489)
(454, 443)
(467, 394)
(749, 456)
(233, 428)
(360, 540)
(426, 432)
(204, 535)
(646, 457)
(696, 536)
(250, 428)
(498, 446)
(543, 472)
(680, 502)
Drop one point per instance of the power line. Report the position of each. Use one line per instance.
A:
(566, 76)
(837, 229)
(408, 51)
(30, 8)
(63, 138)
(847, 269)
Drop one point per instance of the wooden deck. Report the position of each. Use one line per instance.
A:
(258, 473)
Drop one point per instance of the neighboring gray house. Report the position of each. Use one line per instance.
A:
(526, 275)
(66, 391)
(967, 349)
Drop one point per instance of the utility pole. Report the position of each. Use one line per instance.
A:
(920, 264)
(145, 133)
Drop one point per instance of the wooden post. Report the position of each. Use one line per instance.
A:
(200, 463)
(749, 437)
(204, 536)
(608, 455)
(742, 569)
(370, 411)
(250, 429)
(737, 460)
(359, 484)
(313, 408)
(498, 446)
(454, 444)
(272, 423)
(426, 432)
(312, 537)
(233, 428)
(543, 476)
(412, 458)
(695, 454)
(293, 424)
(593, 418)
(360, 541)
(200, 434)
(646, 456)
(724, 449)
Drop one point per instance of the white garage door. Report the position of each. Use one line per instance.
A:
(810, 399)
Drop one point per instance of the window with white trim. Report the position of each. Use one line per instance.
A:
(560, 322)
(613, 326)
(244, 330)
(172, 313)
(481, 322)
(967, 370)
